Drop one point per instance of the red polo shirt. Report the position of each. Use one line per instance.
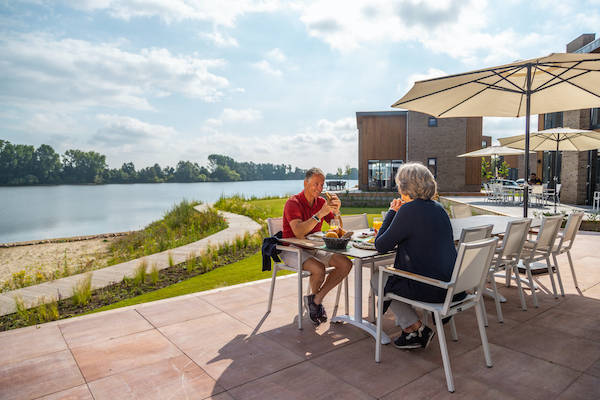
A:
(297, 207)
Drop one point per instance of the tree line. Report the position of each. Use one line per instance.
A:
(25, 165)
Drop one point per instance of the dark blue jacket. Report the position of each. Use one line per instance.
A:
(269, 251)
(422, 231)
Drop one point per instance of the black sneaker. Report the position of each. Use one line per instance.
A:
(322, 314)
(313, 309)
(415, 340)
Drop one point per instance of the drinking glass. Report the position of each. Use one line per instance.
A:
(377, 222)
(334, 224)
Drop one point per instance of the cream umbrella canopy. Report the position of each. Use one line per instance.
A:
(493, 151)
(556, 139)
(557, 82)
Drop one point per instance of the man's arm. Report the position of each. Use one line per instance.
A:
(303, 228)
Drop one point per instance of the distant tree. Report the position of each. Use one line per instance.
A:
(486, 172)
(46, 165)
(503, 170)
(83, 167)
(224, 174)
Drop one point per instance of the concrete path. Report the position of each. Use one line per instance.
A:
(63, 288)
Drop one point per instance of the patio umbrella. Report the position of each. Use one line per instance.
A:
(556, 139)
(557, 82)
(493, 151)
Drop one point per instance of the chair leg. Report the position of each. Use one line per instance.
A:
(551, 273)
(379, 318)
(484, 341)
(444, 350)
(346, 297)
(560, 285)
(484, 313)
(518, 280)
(300, 299)
(453, 329)
(531, 285)
(572, 268)
(337, 300)
(272, 291)
(496, 300)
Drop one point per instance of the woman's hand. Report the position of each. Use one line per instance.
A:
(396, 204)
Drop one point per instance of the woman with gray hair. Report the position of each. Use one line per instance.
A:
(421, 230)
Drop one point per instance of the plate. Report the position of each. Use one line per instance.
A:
(365, 245)
(365, 235)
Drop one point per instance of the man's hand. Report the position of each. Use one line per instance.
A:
(335, 203)
(396, 204)
(325, 210)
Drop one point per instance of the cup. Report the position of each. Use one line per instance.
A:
(377, 222)
(334, 224)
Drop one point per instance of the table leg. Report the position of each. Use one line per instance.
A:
(357, 319)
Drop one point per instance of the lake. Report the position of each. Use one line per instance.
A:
(44, 212)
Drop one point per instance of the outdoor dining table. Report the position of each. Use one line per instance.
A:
(367, 258)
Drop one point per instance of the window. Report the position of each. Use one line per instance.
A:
(382, 174)
(595, 118)
(432, 122)
(432, 165)
(553, 120)
(483, 144)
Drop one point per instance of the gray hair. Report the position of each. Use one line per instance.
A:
(416, 181)
(314, 171)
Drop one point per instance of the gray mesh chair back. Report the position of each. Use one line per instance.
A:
(476, 233)
(355, 222)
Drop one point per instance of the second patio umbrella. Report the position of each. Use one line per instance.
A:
(557, 82)
(556, 139)
(493, 151)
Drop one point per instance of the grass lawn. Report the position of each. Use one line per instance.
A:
(246, 270)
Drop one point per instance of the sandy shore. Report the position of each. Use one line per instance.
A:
(48, 257)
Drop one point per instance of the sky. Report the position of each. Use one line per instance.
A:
(160, 81)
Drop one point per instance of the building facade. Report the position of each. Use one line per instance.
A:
(578, 172)
(389, 138)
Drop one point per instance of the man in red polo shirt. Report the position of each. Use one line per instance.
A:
(303, 214)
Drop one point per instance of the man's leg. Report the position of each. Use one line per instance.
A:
(342, 266)
(317, 273)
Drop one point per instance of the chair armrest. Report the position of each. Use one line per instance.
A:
(414, 277)
(290, 249)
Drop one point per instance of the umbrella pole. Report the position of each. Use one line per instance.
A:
(555, 178)
(528, 109)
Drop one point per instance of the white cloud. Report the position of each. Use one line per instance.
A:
(40, 70)
(220, 40)
(411, 79)
(267, 68)
(230, 115)
(222, 12)
(276, 55)
(454, 27)
(497, 127)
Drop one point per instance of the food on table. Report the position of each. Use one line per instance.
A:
(332, 234)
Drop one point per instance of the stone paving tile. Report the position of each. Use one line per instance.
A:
(174, 378)
(586, 387)
(232, 356)
(594, 369)
(552, 345)
(30, 342)
(514, 376)
(374, 378)
(583, 326)
(302, 381)
(77, 393)
(102, 327)
(109, 357)
(35, 377)
(228, 300)
(171, 312)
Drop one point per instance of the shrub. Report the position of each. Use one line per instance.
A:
(82, 291)
(140, 272)
(153, 275)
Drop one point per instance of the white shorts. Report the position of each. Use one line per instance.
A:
(291, 259)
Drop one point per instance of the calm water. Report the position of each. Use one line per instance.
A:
(42, 212)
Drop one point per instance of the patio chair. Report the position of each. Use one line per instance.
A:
(469, 275)
(507, 256)
(596, 203)
(460, 211)
(567, 237)
(275, 225)
(541, 249)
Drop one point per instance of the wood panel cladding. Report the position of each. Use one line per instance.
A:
(473, 142)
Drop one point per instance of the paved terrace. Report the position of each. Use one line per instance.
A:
(238, 225)
(221, 345)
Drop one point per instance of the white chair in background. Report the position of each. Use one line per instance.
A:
(566, 239)
(275, 225)
(460, 211)
(507, 256)
(596, 203)
(469, 275)
(541, 249)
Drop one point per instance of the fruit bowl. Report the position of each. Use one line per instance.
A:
(336, 243)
